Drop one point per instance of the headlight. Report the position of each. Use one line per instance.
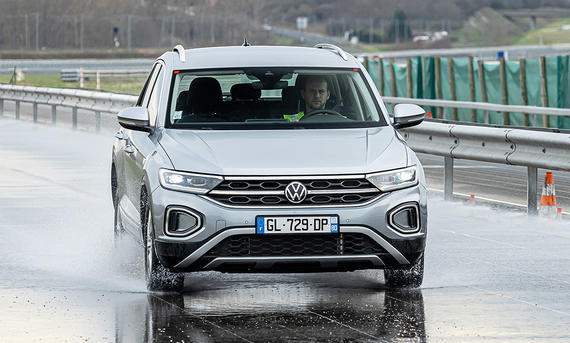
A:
(188, 182)
(394, 179)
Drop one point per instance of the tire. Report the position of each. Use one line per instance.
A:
(157, 276)
(405, 278)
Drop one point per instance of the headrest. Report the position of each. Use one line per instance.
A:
(290, 99)
(245, 91)
(182, 101)
(205, 95)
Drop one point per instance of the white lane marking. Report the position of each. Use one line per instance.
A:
(520, 300)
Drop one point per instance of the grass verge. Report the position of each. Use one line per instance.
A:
(127, 85)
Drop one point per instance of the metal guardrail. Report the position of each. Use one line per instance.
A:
(485, 106)
(74, 75)
(533, 149)
(524, 147)
(97, 102)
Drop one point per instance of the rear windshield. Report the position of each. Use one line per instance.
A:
(278, 98)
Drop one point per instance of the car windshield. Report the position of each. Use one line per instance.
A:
(278, 98)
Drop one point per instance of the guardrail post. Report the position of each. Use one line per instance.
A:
(17, 110)
(448, 178)
(97, 121)
(74, 117)
(1, 107)
(35, 112)
(531, 187)
(53, 113)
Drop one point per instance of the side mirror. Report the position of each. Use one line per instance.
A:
(406, 115)
(135, 118)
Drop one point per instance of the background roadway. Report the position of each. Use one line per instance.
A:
(54, 66)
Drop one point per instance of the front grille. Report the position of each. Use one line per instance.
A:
(296, 245)
(320, 191)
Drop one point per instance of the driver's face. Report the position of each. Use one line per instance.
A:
(315, 94)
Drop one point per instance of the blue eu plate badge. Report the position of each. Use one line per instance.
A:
(260, 225)
(334, 224)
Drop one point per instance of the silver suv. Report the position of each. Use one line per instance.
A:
(268, 159)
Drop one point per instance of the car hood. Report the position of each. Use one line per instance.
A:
(284, 152)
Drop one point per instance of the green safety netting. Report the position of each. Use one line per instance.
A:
(514, 96)
(557, 71)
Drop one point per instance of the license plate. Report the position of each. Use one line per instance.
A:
(297, 224)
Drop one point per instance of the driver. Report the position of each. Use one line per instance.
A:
(315, 92)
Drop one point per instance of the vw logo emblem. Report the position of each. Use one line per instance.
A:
(295, 192)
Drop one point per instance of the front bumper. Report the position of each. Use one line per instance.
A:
(388, 247)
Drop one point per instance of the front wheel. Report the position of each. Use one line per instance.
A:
(157, 276)
(405, 278)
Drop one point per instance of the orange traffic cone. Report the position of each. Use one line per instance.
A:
(548, 200)
(429, 116)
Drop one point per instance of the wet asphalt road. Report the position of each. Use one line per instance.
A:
(490, 275)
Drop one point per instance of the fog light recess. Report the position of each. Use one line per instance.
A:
(405, 218)
(181, 221)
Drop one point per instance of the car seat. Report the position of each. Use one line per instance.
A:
(204, 99)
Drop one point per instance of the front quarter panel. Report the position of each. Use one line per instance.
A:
(158, 159)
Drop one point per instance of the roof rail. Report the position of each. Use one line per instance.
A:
(333, 48)
(181, 52)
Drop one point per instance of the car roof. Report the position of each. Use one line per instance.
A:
(259, 56)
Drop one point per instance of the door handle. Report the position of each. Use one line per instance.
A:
(129, 148)
(120, 135)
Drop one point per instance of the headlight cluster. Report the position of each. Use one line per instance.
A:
(201, 184)
(394, 179)
(188, 182)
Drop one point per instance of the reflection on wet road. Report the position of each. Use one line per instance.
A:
(490, 275)
(277, 312)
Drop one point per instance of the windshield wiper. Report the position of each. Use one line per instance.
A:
(267, 121)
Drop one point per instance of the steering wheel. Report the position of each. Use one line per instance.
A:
(315, 112)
